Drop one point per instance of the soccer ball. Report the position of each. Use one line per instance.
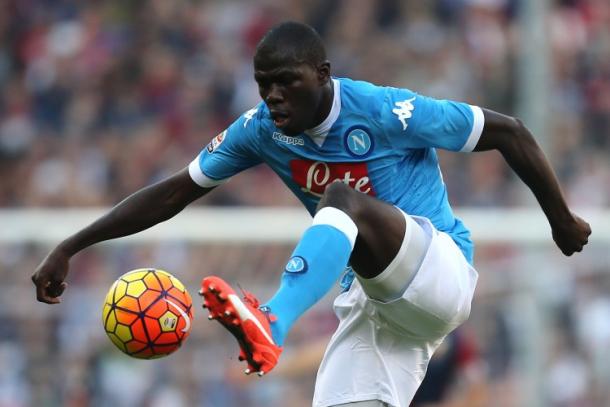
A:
(147, 313)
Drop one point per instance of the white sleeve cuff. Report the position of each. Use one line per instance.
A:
(200, 178)
(477, 128)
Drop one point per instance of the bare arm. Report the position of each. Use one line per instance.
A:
(141, 210)
(519, 148)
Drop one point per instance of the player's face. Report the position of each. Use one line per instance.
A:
(293, 93)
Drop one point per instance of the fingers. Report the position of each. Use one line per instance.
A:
(55, 290)
(49, 292)
(569, 249)
(587, 228)
(42, 295)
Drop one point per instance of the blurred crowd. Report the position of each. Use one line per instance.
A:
(99, 98)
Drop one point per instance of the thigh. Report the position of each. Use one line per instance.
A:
(381, 227)
(381, 230)
(381, 350)
(439, 297)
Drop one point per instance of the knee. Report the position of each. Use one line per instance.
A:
(341, 196)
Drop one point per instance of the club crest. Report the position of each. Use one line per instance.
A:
(296, 264)
(358, 142)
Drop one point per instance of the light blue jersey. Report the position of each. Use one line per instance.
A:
(378, 140)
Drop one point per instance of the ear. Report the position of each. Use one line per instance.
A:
(323, 72)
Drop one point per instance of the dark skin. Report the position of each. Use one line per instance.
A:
(291, 89)
(299, 96)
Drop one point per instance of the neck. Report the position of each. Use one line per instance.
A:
(326, 103)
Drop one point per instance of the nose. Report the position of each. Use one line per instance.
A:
(275, 94)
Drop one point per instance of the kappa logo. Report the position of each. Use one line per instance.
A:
(314, 176)
(358, 142)
(249, 115)
(216, 142)
(296, 264)
(404, 111)
(294, 141)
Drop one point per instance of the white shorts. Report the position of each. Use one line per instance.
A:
(381, 351)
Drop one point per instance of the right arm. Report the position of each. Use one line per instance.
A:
(141, 210)
(227, 154)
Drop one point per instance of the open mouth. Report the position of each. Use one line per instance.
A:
(280, 119)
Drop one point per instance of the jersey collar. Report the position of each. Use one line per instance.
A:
(318, 134)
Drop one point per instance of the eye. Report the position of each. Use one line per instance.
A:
(288, 80)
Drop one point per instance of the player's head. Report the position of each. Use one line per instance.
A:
(293, 76)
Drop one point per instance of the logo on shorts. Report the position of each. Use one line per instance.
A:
(296, 264)
(216, 142)
(358, 142)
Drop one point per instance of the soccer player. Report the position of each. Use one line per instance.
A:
(362, 160)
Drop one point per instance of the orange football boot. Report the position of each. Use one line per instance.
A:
(248, 324)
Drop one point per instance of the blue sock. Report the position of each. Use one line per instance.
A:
(315, 265)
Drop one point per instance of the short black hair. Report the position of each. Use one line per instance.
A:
(291, 42)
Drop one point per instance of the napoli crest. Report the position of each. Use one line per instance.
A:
(296, 264)
(358, 142)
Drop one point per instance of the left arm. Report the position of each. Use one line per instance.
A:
(517, 145)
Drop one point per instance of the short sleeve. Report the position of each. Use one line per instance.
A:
(229, 153)
(416, 121)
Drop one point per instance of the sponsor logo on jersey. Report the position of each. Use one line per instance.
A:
(282, 138)
(314, 176)
(358, 142)
(216, 142)
(296, 264)
(404, 111)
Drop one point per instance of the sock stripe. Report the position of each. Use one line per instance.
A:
(339, 220)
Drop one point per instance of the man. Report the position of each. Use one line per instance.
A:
(362, 160)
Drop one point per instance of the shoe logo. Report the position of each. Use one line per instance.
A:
(282, 138)
(296, 264)
(244, 314)
(404, 111)
(358, 142)
(187, 320)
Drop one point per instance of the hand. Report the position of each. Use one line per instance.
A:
(49, 277)
(571, 235)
